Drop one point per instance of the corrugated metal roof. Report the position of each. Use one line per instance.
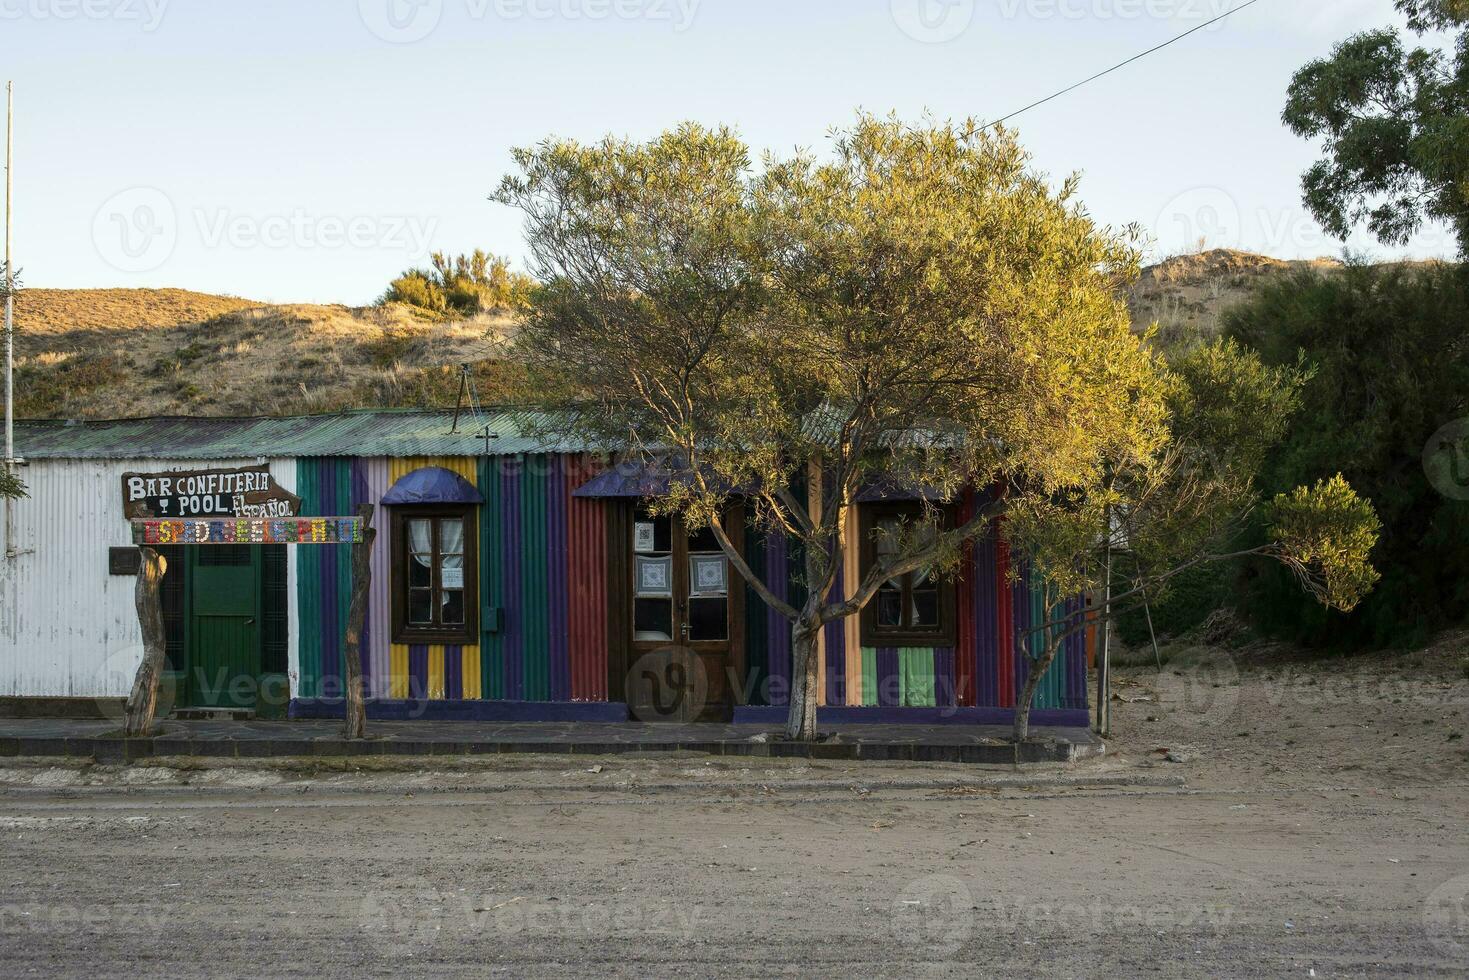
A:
(408, 432)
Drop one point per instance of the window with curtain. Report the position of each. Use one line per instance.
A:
(434, 594)
(915, 609)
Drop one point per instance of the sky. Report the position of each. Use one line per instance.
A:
(310, 150)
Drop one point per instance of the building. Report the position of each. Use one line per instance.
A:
(511, 580)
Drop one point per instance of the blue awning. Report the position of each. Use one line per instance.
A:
(433, 485)
(643, 478)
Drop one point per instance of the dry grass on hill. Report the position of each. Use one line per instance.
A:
(104, 353)
(1187, 294)
(118, 352)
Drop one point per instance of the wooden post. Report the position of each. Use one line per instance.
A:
(143, 702)
(355, 710)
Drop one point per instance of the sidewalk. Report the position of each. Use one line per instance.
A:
(101, 740)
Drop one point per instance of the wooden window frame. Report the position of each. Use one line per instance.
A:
(400, 554)
(874, 635)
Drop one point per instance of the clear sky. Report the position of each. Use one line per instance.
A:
(309, 150)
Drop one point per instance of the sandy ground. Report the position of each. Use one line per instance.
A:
(1316, 823)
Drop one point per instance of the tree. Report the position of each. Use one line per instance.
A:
(920, 309)
(1186, 506)
(1391, 370)
(1395, 122)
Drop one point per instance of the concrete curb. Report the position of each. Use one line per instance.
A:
(121, 751)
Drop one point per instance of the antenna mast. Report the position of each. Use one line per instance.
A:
(10, 550)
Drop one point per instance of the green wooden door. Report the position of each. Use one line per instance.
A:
(224, 626)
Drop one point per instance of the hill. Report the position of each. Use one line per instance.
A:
(1187, 294)
(109, 353)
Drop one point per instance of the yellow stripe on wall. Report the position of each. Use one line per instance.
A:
(466, 467)
(471, 675)
(398, 671)
(851, 626)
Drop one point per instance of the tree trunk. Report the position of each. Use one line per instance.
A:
(1032, 682)
(801, 723)
(143, 701)
(354, 709)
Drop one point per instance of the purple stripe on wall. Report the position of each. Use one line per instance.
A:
(376, 477)
(513, 642)
(944, 692)
(778, 629)
(331, 565)
(836, 648)
(417, 671)
(1020, 602)
(987, 654)
(453, 672)
(360, 495)
(889, 691)
(556, 568)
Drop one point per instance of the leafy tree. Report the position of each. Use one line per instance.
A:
(461, 285)
(920, 308)
(1395, 121)
(1391, 369)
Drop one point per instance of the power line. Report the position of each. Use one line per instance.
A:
(1123, 64)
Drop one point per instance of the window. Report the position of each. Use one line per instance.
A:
(915, 609)
(434, 595)
(680, 582)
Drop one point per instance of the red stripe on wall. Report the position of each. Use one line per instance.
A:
(1006, 618)
(587, 607)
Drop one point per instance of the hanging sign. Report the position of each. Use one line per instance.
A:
(248, 492)
(249, 530)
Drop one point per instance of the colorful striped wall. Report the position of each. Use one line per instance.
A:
(542, 561)
(995, 596)
(544, 593)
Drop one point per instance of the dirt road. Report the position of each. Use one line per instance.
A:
(1311, 843)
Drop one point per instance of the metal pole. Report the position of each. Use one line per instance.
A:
(1148, 610)
(1104, 656)
(9, 312)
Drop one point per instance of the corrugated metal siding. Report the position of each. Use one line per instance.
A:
(543, 562)
(982, 671)
(67, 627)
(587, 586)
(358, 434)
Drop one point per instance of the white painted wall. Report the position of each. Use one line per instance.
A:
(67, 628)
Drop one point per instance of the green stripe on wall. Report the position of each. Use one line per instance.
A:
(534, 597)
(1052, 687)
(869, 676)
(307, 591)
(491, 647)
(915, 667)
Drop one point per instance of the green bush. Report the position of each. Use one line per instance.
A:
(1391, 353)
(462, 285)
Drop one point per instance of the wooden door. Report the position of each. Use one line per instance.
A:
(685, 607)
(223, 643)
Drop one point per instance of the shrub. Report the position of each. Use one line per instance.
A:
(462, 285)
(1392, 367)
